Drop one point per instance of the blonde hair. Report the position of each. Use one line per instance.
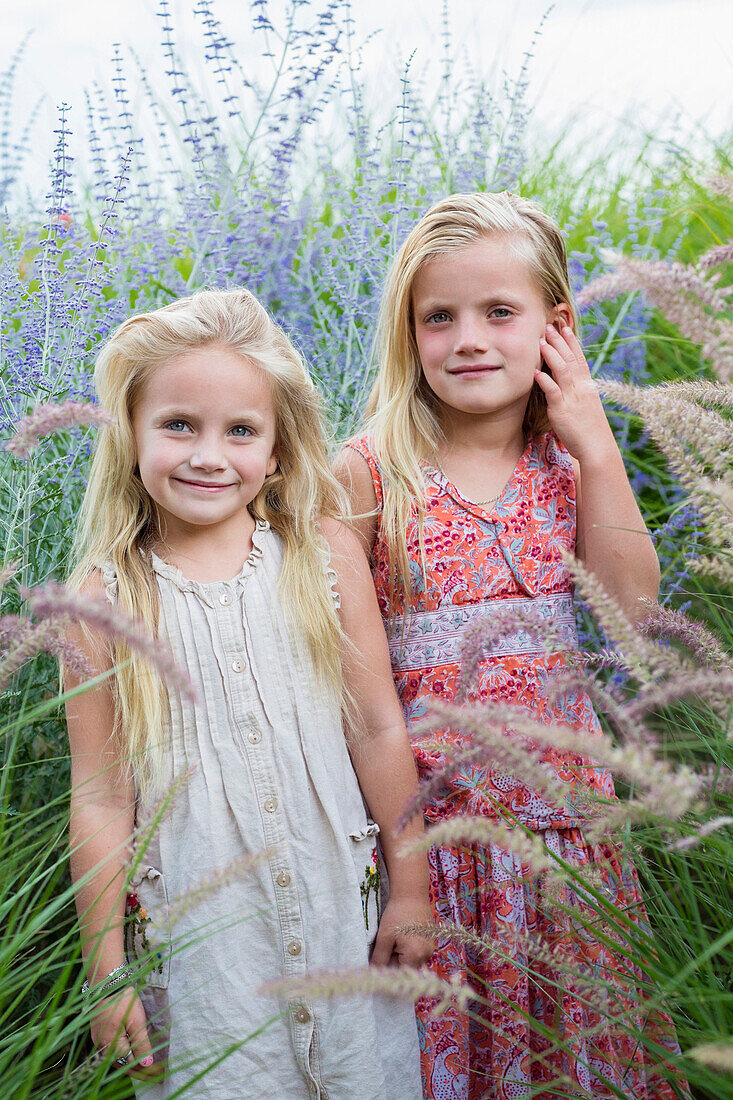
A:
(403, 413)
(117, 522)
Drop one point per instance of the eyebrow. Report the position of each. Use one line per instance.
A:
(179, 412)
(435, 305)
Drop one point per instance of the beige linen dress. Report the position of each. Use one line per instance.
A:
(268, 772)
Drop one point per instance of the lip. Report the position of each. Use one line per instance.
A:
(474, 370)
(205, 486)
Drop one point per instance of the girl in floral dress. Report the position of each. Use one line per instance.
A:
(487, 457)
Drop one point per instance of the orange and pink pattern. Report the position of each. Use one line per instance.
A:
(536, 1028)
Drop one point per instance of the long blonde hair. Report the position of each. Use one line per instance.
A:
(117, 523)
(402, 412)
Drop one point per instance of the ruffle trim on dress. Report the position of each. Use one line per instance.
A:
(370, 829)
(206, 590)
(332, 577)
(111, 587)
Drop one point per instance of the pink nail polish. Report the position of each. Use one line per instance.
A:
(147, 1061)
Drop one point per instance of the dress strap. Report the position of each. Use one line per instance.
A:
(364, 447)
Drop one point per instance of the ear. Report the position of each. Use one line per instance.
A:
(560, 315)
(271, 464)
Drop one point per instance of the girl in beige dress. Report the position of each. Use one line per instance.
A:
(254, 859)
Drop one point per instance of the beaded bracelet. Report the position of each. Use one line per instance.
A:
(118, 976)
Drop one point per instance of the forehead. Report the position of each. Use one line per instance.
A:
(490, 265)
(207, 377)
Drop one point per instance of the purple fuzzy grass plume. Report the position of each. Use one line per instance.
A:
(46, 419)
(55, 601)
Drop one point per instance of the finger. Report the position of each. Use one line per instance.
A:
(558, 341)
(417, 955)
(383, 950)
(548, 386)
(121, 1053)
(569, 347)
(560, 365)
(573, 342)
(142, 1052)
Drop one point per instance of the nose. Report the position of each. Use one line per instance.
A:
(207, 454)
(471, 336)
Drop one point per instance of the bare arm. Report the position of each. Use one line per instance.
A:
(352, 470)
(101, 825)
(380, 748)
(612, 539)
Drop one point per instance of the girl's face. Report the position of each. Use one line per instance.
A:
(478, 321)
(205, 433)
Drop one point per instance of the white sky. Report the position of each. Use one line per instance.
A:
(596, 59)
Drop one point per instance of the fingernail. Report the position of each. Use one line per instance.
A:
(147, 1061)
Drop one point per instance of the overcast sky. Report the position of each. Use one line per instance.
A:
(595, 59)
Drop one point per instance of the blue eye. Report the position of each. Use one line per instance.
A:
(439, 318)
(176, 425)
(501, 312)
(241, 430)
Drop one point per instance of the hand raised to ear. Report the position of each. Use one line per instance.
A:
(574, 406)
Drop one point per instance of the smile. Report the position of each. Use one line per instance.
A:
(204, 486)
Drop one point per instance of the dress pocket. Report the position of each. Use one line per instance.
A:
(147, 934)
(367, 860)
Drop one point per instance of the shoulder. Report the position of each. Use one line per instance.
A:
(356, 468)
(357, 477)
(100, 583)
(93, 644)
(341, 539)
(352, 582)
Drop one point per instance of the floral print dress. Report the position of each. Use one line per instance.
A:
(529, 1034)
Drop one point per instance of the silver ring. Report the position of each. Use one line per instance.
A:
(123, 1059)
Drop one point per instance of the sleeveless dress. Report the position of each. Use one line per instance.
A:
(479, 560)
(261, 773)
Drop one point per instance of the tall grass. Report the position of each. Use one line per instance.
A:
(230, 182)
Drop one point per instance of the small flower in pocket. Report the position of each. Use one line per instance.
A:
(370, 886)
(136, 924)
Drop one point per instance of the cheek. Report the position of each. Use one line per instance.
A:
(523, 343)
(431, 348)
(158, 459)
